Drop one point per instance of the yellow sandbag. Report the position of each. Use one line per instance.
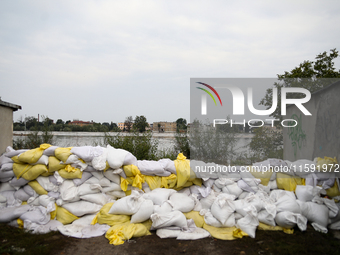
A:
(54, 214)
(263, 226)
(34, 172)
(64, 216)
(263, 176)
(138, 181)
(183, 169)
(124, 184)
(62, 153)
(104, 217)
(220, 233)
(20, 223)
(119, 233)
(326, 164)
(334, 191)
(238, 233)
(198, 219)
(74, 173)
(154, 182)
(47, 174)
(131, 170)
(54, 164)
(16, 160)
(169, 182)
(20, 169)
(37, 188)
(32, 156)
(287, 182)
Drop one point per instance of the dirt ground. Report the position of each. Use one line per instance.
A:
(266, 242)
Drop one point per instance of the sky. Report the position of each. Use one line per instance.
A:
(105, 60)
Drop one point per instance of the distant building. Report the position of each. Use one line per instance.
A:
(6, 124)
(164, 126)
(122, 125)
(80, 123)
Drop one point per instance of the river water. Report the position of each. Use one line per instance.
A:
(166, 141)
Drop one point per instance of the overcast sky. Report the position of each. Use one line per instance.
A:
(106, 60)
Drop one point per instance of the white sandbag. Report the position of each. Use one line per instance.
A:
(3, 199)
(216, 189)
(10, 198)
(249, 223)
(185, 191)
(129, 159)
(109, 174)
(39, 214)
(174, 218)
(288, 219)
(84, 177)
(47, 184)
(240, 205)
(45, 200)
(102, 182)
(30, 191)
(198, 206)
(244, 186)
(159, 195)
(34, 228)
(112, 187)
(307, 193)
(168, 165)
(98, 198)
(81, 208)
(6, 174)
(232, 189)
(21, 195)
(272, 184)
(243, 195)
(68, 191)
(89, 169)
(6, 167)
(315, 212)
(149, 167)
(17, 183)
(207, 202)
(12, 213)
(99, 162)
(167, 232)
(87, 153)
(55, 195)
(43, 160)
(4, 160)
(86, 189)
(181, 202)
(161, 209)
(266, 218)
(50, 151)
(128, 205)
(208, 183)
(11, 153)
(53, 179)
(144, 212)
(333, 209)
(223, 207)
(6, 179)
(196, 234)
(285, 201)
(115, 157)
(5, 186)
(116, 194)
(211, 220)
(222, 182)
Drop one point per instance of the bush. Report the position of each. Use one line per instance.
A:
(142, 146)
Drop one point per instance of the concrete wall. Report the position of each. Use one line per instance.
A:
(317, 135)
(6, 128)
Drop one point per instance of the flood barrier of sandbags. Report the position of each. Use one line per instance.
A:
(90, 191)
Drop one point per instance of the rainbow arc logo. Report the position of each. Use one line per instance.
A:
(204, 98)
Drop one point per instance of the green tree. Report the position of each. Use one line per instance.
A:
(267, 143)
(181, 124)
(128, 124)
(140, 124)
(307, 75)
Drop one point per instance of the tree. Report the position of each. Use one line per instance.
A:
(267, 143)
(181, 124)
(140, 123)
(307, 75)
(128, 123)
(60, 122)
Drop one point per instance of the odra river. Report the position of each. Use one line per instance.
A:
(166, 141)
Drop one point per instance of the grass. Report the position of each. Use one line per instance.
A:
(18, 241)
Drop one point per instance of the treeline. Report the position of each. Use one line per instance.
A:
(32, 124)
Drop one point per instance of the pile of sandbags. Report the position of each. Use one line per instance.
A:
(90, 191)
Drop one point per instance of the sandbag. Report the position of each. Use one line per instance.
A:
(159, 195)
(174, 218)
(11, 213)
(181, 202)
(144, 212)
(128, 205)
(223, 207)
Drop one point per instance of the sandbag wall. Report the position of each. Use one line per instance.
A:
(91, 191)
